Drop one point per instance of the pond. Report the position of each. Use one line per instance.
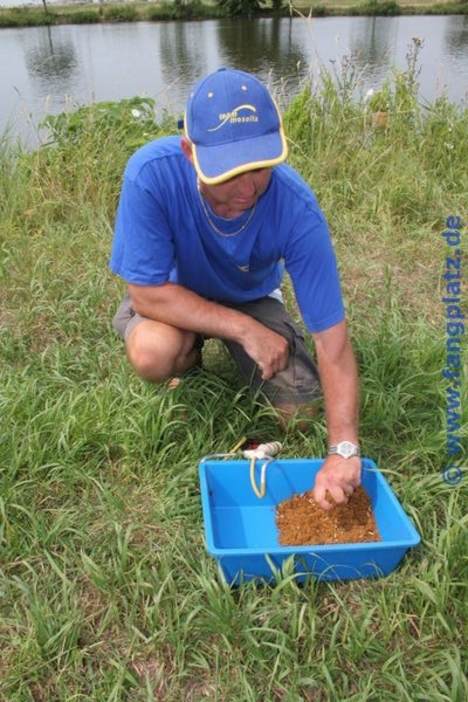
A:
(50, 69)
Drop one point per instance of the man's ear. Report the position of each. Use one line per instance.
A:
(186, 147)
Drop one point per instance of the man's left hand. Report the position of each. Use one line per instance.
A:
(340, 477)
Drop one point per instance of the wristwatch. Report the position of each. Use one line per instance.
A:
(345, 449)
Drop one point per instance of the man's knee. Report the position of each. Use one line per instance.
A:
(155, 350)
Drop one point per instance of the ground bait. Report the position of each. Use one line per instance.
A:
(301, 521)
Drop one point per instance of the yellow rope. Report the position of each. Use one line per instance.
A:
(260, 493)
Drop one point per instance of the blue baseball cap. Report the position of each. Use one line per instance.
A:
(234, 126)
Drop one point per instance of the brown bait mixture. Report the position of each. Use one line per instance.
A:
(301, 521)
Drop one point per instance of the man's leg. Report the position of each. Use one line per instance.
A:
(295, 392)
(157, 351)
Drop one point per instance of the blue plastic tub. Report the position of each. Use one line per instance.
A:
(241, 533)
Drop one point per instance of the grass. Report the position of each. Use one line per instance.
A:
(85, 13)
(106, 590)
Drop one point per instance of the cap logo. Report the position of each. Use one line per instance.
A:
(234, 118)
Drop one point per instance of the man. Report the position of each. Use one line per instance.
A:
(205, 226)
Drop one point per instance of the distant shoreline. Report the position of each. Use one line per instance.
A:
(88, 13)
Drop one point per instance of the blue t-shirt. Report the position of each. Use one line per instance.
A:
(162, 233)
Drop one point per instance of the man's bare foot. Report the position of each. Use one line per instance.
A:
(173, 383)
(196, 365)
(297, 416)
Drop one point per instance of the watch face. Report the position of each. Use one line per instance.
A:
(346, 449)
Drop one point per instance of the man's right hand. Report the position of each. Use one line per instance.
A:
(178, 307)
(269, 350)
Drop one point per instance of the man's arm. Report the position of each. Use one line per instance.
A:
(179, 307)
(339, 377)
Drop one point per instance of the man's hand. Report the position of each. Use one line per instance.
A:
(178, 307)
(340, 476)
(269, 350)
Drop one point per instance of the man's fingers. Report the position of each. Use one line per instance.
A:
(269, 350)
(355, 482)
(284, 360)
(346, 479)
(319, 497)
(269, 370)
(338, 494)
(334, 491)
(336, 482)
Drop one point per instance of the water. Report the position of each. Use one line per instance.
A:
(50, 69)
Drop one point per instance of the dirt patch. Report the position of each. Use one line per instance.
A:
(301, 521)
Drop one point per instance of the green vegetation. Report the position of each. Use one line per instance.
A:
(107, 593)
(120, 13)
(245, 8)
(26, 17)
(85, 17)
(374, 7)
(197, 9)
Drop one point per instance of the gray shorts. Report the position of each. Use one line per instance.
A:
(298, 384)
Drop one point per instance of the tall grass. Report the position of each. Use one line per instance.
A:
(106, 590)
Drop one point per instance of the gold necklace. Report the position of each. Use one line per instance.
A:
(213, 225)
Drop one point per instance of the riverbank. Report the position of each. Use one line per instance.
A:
(196, 10)
(107, 591)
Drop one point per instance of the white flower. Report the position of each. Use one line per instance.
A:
(136, 113)
(369, 94)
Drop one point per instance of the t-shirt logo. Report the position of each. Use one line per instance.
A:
(233, 117)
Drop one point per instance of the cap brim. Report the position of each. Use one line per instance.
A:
(216, 164)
